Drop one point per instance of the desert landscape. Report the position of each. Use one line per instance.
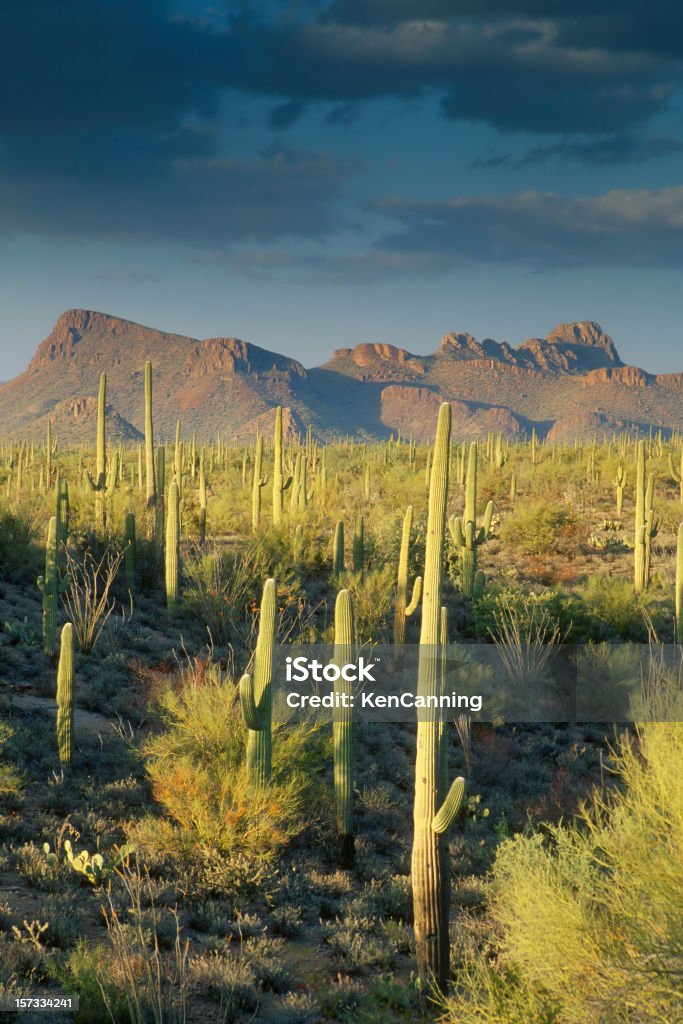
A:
(171, 848)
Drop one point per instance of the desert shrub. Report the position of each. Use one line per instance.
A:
(198, 774)
(612, 610)
(540, 528)
(590, 920)
(549, 610)
(19, 529)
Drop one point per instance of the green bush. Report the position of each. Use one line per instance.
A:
(590, 920)
(539, 528)
(198, 775)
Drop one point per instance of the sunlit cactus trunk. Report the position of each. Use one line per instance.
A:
(256, 694)
(403, 609)
(149, 439)
(65, 696)
(202, 500)
(433, 809)
(172, 549)
(342, 727)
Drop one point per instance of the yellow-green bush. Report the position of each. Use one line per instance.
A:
(591, 919)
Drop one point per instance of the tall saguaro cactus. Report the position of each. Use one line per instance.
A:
(403, 609)
(172, 549)
(256, 695)
(677, 474)
(51, 586)
(280, 484)
(434, 809)
(338, 548)
(679, 586)
(62, 508)
(149, 439)
(342, 726)
(101, 484)
(464, 528)
(202, 499)
(619, 483)
(258, 483)
(65, 696)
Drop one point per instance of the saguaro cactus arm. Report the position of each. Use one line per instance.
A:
(450, 807)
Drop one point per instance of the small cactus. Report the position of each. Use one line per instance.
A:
(464, 532)
(51, 586)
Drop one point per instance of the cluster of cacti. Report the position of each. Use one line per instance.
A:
(434, 806)
(256, 695)
(466, 536)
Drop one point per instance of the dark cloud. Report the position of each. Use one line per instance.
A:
(622, 228)
(199, 201)
(596, 152)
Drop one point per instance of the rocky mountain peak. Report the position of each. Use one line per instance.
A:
(585, 332)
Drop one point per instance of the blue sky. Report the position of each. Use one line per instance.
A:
(312, 175)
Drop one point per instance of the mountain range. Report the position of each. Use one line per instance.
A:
(570, 383)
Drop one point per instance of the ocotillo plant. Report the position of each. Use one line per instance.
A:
(464, 530)
(259, 482)
(65, 695)
(172, 548)
(202, 500)
(620, 482)
(129, 550)
(404, 609)
(280, 484)
(342, 726)
(679, 586)
(434, 808)
(338, 548)
(101, 482)
(51, 586)
(149, 439)
(256, 694)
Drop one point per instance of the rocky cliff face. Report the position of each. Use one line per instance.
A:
(571, 382)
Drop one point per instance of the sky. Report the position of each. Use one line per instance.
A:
(308, 176)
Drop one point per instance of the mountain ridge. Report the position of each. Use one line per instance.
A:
(573, 379)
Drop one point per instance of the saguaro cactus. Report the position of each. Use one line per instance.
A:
(434, 809)
(679, 586)
(51, 586)
(280, 484)
(256, 694)
(342, 726)
(338, 548)
(258, 483)
(620, 482)
(172, 548)
(677, 474)
(149, 439)
(65, 696)
(403, 609)
(62, 489)
(651, 525)
(359, 545)
(101, 482)
(129, 550)
(202, 500)
(464, 528)
(639, 534)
